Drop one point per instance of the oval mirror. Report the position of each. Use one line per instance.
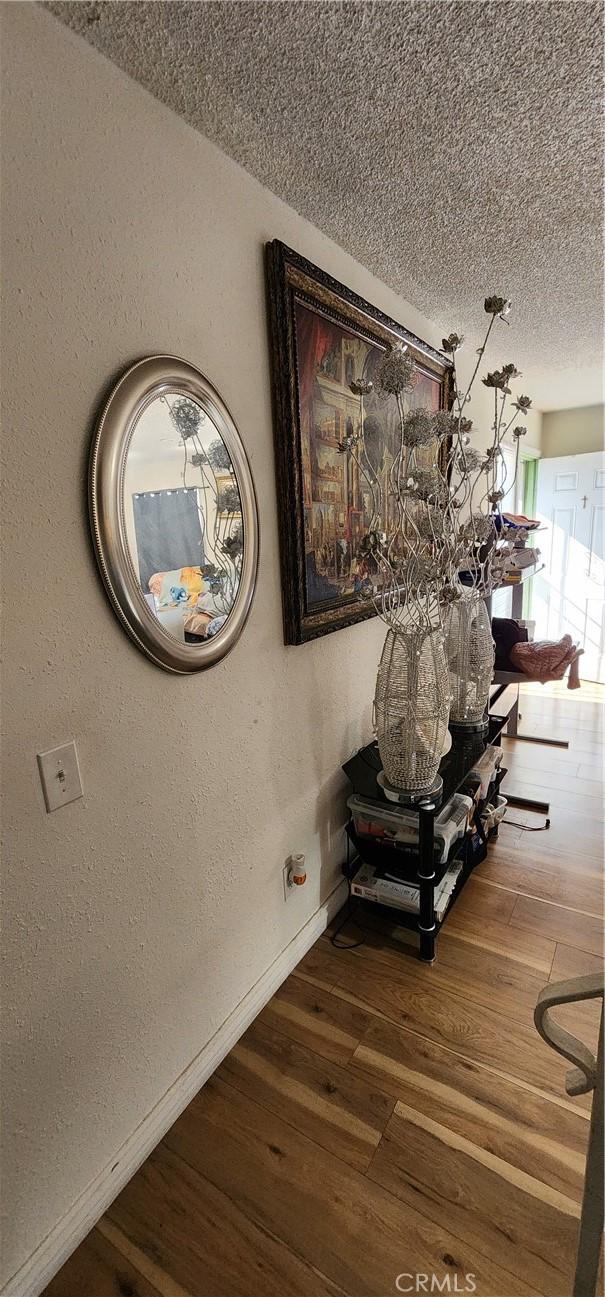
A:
(173, 514)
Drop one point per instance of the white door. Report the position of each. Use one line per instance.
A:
(570, 594)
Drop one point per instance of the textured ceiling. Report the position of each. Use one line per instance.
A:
(453, 148)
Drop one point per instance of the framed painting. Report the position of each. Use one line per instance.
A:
(323, 338)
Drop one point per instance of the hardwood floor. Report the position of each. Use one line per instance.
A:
(382, 1117)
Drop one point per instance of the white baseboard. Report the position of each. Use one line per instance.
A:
(33, 1276)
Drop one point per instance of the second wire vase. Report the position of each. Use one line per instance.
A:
(470, 655)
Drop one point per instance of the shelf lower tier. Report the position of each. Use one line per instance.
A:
(405, 918)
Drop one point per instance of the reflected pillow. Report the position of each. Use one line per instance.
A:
(548, 660)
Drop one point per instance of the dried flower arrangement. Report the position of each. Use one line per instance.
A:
(446, 516)
(447, 521)
(219, 503)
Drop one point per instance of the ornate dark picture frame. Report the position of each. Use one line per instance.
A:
(321, 333)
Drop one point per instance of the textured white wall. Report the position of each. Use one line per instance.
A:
(137, 918)
(573, 432)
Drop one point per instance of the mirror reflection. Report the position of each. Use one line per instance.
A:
(183, 518)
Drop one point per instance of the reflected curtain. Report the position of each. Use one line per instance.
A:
(168, 531)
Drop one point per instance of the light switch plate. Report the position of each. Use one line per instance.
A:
(60, 776)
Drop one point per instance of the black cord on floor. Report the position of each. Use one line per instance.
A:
(528, 828)
(348, 918)
(347, 945)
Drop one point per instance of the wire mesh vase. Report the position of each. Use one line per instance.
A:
(411, 708)
(470, 655)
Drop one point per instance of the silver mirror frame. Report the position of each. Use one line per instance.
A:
(142, 383)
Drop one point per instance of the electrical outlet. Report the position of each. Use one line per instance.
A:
(60, 776)
(294, 874)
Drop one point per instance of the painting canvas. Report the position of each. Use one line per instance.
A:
(325, 338)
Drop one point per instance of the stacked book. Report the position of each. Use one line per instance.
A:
(374, 884)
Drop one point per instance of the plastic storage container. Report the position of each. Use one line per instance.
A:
(486, 768)
(494, 814)
(399, 828)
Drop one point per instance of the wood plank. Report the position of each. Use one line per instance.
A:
(577, 708)
(563, 777)
(492, 980)
(584, 747)
(519, 1126)
(308, 1013)
(483, 902)
(586, 750)
(339, 1221)
(576, 892)
(539, 758)
(563, 925)
(520, 1223)
(592, 772)
(187, 1228)
(582, 803)
(536, 953)
(507, 1048)
(570, 834)
(98, 1269)
(587, 701)
(582, 705)
(555, 689)
(310, 968)
(143, 1263)
(570, 962)
(575, 721)
(330, 1104)
(514, 832)
(543, 851)
(306, 977)
(576, 714)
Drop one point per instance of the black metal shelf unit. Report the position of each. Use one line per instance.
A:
(417, 864)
